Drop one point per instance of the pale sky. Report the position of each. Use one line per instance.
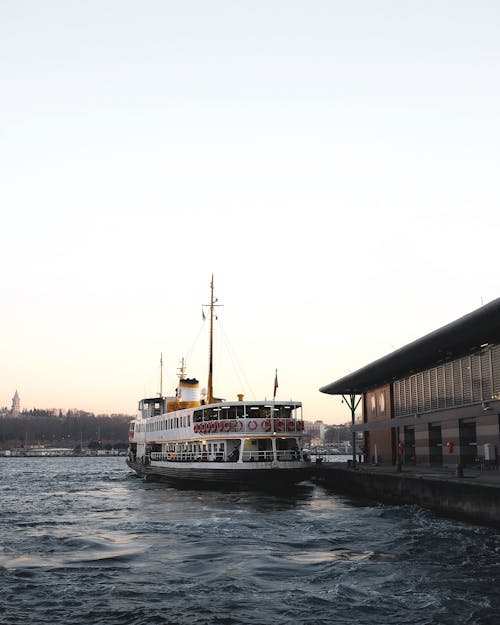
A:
(334, 164)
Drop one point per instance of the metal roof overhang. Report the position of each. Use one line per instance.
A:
(463, 336)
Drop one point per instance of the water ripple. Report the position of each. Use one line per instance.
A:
(115, 550)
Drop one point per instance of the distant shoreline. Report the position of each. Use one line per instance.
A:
(49, 454)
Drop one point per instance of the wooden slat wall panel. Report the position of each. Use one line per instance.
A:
(486, 381)
(458, 398)
(467, 380)
(414, 399)
(427, 390)
(448, 385)
(441, 388)
(476, 378)
(434, 389)
(419, 379)
(495, 364)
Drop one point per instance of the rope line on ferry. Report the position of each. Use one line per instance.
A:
(238, 369)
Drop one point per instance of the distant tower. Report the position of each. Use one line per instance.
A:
(16, 404)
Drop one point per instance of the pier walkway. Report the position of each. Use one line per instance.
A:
(488, 476)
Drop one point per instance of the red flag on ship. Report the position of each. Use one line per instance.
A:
(275, 384)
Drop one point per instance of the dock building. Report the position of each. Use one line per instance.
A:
(435, 401)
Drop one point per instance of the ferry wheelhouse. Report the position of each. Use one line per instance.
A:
(188, 439)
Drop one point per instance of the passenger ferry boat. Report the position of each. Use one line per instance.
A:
(190, 439)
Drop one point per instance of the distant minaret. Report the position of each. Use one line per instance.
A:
(16, 404)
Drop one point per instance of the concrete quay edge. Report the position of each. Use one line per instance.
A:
(474, 498)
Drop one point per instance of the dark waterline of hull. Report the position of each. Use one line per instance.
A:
(273, 478)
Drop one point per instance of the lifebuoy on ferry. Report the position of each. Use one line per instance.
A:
(280, 425)
(266, 425)
(196, 428)
(300, 425)
(213, 426)
(220, 426)
(226, 425)
(290, 425)
(201, 427)
(252, 425)
(239, 425)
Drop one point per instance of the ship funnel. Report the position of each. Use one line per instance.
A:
(189, 392)
(240, 396)
(187, 395)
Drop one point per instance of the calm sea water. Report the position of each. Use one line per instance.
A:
(83, 541)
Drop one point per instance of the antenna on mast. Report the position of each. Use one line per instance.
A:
(182, 369)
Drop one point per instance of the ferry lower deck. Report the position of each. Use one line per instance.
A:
(261, 474)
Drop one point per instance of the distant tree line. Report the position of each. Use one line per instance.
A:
(76, 427)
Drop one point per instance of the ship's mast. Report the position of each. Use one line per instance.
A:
(210, 392)
(161, 374)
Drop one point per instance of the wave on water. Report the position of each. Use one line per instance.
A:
(108, 549)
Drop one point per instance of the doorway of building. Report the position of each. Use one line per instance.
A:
(409, 446)
(435, 445)
(468, 442)
(366, 447)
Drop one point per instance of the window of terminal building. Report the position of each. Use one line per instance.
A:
(381, 403)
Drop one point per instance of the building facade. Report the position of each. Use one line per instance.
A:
(435, 401)
(314, 432)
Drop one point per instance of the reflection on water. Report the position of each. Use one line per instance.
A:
(84, 541)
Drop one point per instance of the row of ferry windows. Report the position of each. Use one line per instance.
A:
(196, 447)
(238, 412)
(169, 424)
(223, 413)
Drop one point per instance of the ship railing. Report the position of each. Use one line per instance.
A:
(283, 455)
(186, 456)
(288, 454)
(177, 456)
(268, 455)
(258, 456)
